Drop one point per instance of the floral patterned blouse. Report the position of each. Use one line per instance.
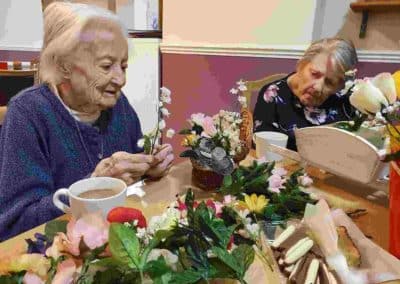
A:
(278, 109)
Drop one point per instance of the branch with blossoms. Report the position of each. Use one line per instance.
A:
(237, 90)
(149, 140)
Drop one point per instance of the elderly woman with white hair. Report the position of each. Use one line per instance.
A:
(312, 94)
(76, 124)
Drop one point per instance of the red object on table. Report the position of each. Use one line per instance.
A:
(3, 65)
(394, 210)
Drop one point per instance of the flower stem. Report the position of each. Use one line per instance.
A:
(141, 275)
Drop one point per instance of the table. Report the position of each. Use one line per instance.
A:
(159, 194)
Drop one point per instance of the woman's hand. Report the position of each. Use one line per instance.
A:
(128, 167)
(163, 158)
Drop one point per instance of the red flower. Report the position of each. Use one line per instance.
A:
(126, 214)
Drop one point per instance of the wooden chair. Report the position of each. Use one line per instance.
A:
(255, 86)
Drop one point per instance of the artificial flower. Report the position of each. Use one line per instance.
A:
(140, 143)
(35, 263)
(127, 214)
(161, 124)
(209, 127)
(170, 133)
(305, 180)
(396, 78)
(275, 183)
(165, 112)
(32, 278)
(165, 95)
(66, 272)
(255, 203)
(253, 229)
(242, 100)
(164, 222)
(234, 91)
(197, 118)
(190, 140)
(279, 171)
(385, 83)
(367, 98)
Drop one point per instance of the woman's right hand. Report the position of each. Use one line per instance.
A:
(128, 167)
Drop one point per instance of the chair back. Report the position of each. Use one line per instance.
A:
(255, 86)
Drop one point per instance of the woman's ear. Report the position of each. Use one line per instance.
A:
(64, 67)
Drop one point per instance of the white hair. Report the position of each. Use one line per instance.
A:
(64, 23)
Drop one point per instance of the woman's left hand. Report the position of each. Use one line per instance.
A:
(163, 158)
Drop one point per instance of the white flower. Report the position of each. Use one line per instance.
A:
(253, 229)
(242, 87)
(166, 99)
(141, 233)
(165, 91)
(367, 98)
(140, 143)
(198, 118)
(170, 133)
(165, 112)
(234, 91)
(161, 124)
(240, 82)
(385, 83)
(164, 222)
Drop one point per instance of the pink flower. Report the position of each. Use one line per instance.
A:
(92, 228)
(275, 183)
(305, 180)
(279, 171)
(66, 271)
(228, 199)
(271, 93)
(31, 278)
(209, 127)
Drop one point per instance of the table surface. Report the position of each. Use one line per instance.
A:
(159, 194)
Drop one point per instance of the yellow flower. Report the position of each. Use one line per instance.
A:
(396, 77)
(255, 204)
(35, 263)
(189, 140)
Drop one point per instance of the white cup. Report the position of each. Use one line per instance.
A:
(263, 139)
(80, 206)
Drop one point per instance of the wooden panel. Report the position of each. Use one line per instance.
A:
(376, 5)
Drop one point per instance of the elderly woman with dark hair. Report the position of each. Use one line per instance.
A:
(76, 124)
(310, 96)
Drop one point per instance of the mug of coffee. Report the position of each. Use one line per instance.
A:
(263, 139)
(92, 194)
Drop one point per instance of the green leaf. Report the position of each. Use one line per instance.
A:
(227, 181)
(187, 277)
(244, 254)
(124, 245)
(108, 262)
(116, 276)
(147, 144)
(220, 270)
(157, 269)
(54, 227)
(226, 258)
(53, 268)
(15, 278)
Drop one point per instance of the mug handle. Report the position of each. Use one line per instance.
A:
(58, 203)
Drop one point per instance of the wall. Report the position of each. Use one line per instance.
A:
(227, 22)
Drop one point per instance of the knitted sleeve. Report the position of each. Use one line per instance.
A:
(26, 183)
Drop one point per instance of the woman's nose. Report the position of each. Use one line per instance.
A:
(118, 76)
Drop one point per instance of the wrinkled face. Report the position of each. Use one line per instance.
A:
(97, 68)
(317, 80)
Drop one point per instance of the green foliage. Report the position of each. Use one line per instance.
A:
(54, 227)
(124, 245)
(14, 278)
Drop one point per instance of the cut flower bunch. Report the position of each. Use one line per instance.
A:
(268, 191)
(189, 243)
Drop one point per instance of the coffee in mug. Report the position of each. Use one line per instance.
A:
(92, 195)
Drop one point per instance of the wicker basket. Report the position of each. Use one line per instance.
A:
(207, 179)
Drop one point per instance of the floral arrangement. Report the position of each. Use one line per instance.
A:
(269, 191)
(149, 140)
(378, 100)
(191, 242)
(237, 90)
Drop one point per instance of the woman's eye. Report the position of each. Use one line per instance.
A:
(106, 67)
(123, 67)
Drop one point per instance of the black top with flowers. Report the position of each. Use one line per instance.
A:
(278, 109)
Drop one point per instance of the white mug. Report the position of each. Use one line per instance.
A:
(263, 139)
(79, 206)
